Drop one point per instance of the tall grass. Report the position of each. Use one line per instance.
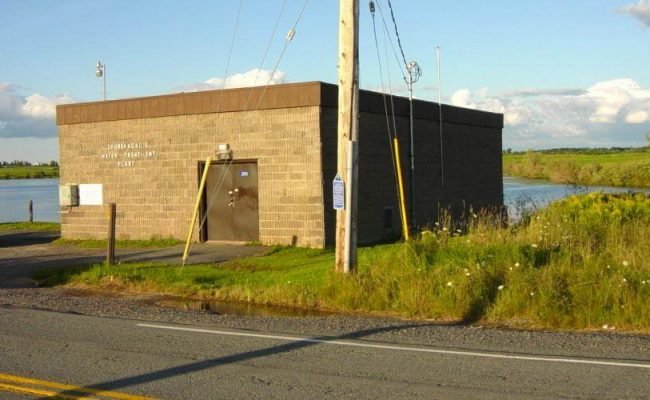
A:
(627, 169)
(580, 263)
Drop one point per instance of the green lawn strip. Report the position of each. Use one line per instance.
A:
(137, 244)
(27, 172)
(580, 263)
(30, 226)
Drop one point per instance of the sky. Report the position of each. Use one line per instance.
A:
(571, 73)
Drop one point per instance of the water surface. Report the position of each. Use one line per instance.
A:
(15, 195)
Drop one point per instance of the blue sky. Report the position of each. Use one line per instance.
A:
(564, 73)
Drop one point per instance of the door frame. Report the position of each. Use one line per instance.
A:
(203, 231)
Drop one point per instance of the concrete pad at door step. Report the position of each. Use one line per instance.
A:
(200, 253)
(23, 253)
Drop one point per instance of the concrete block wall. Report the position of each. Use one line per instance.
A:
(149, 167)
(471, 160)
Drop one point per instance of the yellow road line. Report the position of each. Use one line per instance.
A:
(36, 392)
(62, 386)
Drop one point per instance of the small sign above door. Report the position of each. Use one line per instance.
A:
(243, 173)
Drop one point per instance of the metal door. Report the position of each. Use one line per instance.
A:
(231, 202)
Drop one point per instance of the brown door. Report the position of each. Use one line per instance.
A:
(231, 202)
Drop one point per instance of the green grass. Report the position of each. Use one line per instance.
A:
(624, 168)
(580, 263)
(27, 172)
(101, 243)
(30, 226)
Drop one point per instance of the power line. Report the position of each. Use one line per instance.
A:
(383, 93)
(399, 42)
(392, 45)
(288, 39)
(290, 34)
(232, 45)
(268, 46)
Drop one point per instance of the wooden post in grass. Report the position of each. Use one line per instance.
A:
(31, 211)
(110, 248)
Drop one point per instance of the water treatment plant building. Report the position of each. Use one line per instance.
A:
(147, 156)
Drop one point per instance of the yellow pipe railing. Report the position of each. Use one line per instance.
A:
(402, 208)
(196, 209)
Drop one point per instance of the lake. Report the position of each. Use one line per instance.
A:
(517, 193)
(15, 195)
(521, 193)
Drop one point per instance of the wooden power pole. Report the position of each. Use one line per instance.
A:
(348, 134)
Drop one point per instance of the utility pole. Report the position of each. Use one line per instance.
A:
(414, 72)
(348, 134)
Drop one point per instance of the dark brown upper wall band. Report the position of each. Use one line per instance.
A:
(261, 98)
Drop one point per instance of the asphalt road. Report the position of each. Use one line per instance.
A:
(237, 357)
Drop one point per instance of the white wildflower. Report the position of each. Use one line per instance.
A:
(500, 287)
(517, 264)
(532, 294)
(450, 284)
(534, 245)
(625, 263)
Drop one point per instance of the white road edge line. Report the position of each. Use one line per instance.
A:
(400, 348)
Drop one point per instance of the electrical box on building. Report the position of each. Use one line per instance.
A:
(224, 152)
(68, 195)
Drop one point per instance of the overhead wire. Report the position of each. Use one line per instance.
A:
(228, 58)
(266, 52)
(399, 42)
(383, 92)
(392, 45)
(225, 78)
(289, 37)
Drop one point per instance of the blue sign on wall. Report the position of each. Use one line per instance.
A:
(338, 193)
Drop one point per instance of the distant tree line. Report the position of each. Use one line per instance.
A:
(583, 150)
(18, 163)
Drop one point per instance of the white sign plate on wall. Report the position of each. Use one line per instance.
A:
(91, 194)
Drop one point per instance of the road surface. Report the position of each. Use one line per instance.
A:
(200, 356)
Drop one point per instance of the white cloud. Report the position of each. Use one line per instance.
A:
(640, 10)
(254, 77)
(609, 113)
(27, 116)
(637, 117)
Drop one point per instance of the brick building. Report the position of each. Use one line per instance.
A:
(147, 154)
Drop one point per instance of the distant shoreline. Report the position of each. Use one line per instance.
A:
(627, 168)
(29, 172)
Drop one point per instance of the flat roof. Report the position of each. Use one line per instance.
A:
(290, 95)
